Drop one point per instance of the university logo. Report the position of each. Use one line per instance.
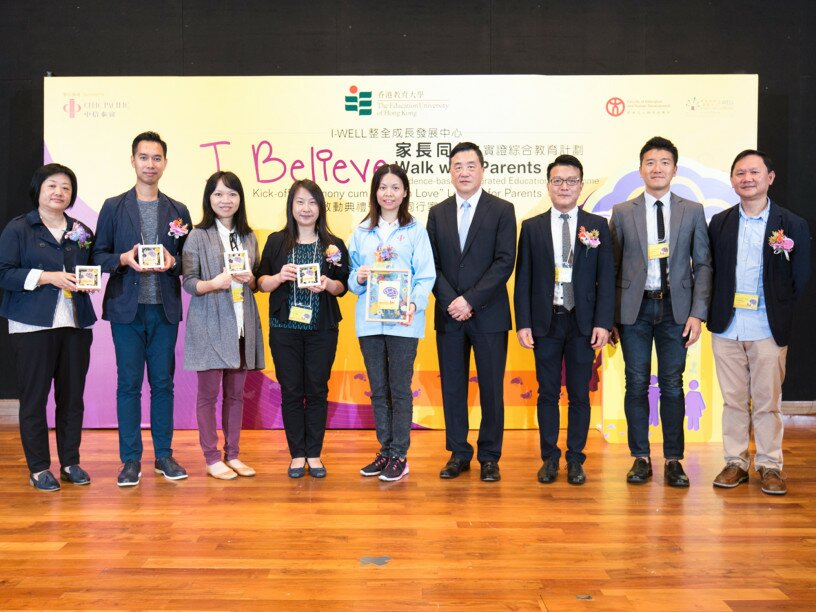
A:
(615, 107)
(358, 101)
(72, 108)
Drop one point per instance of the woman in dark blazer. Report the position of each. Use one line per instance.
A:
(304, 321)
(50, 322)
(223, 337)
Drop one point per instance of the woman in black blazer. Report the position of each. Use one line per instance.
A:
(304, 321)
(50, 321)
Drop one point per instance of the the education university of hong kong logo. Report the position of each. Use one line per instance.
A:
(358, 101)
(72, 108)
(615, 107)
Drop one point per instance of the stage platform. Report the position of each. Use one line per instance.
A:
(352, 543)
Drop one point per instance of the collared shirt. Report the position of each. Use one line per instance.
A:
(385, 229)
(749, 325)
(472, 200)
(556, 228)
(653, 267)
(238, 307)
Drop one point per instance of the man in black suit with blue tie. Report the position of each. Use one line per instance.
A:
(565, 309)
(473, 236)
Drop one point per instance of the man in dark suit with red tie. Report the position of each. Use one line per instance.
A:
(473, 236)
(565, 309)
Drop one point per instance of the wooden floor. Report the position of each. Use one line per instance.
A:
(346, 542)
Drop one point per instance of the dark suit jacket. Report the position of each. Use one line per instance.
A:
(120, 227)
(593, 276)
(26, 244)
(275, 256)
(480, 271)
(783, 280)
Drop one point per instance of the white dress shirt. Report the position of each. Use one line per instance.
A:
(238, 307)
(653, 267)
(556, 227)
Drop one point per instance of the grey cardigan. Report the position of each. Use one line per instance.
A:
(211, 336)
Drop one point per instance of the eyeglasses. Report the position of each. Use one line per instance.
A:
(558, 181)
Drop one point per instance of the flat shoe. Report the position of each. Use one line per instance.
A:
(220, 471)
(241, 468)
(296, 472)
(317, 472)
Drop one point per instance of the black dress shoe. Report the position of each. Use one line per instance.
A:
(575, 473)
(641, 471)
(548, 472)
(454, 467)
(75, 475)
(674, 475)
(490, 471)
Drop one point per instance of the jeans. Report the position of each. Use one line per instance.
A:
(655, 322)
(303, 361)
(150, 338)
(563, 341)
(389, 362)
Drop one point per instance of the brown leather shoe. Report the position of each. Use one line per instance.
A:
(731, 476)
(773, 483)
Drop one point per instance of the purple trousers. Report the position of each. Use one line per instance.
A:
(210, 382)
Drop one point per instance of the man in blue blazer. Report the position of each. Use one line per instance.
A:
(143, 305)
(473, 237)
(565, 308)
(761, 265)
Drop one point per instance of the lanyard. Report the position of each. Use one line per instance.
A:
(310, 294)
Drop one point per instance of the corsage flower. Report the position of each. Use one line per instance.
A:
(333, 255)
(589, 239)
(780, 243)
(384, 252)
(178, 228)
(79, 235)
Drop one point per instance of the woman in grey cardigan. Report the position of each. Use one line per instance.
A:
(223, 337)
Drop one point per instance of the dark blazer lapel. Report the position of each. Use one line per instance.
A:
(579, 251)
(775, 222)
(639, 214)
(39, 228)
(164, 218)
(452, 229)
(678, 209)
(482, 210)
(543, 229)
(730, 236)
(131, 206)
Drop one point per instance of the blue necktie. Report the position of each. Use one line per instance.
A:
(464, 224)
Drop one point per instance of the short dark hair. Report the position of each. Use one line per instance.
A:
(467, 146)
(231, 181)
(44, 172)
(374, 208)
(566, 160)
(765, 159)
(658, 142)
(150, 137)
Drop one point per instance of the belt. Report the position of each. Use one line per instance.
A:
(657, 294)
(560, 310)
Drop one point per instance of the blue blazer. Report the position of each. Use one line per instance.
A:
(27, 244)
(118, 229)
(593, 276)
(783, 280)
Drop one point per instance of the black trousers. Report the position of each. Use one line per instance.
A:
(61, 355)
(563, 341)
(303, 361)
(490, 352)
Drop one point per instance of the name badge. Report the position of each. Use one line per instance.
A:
(659, 250)
(300, 314)
(563, 274)
(747, 301)
(67, 294)
(238, 294)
